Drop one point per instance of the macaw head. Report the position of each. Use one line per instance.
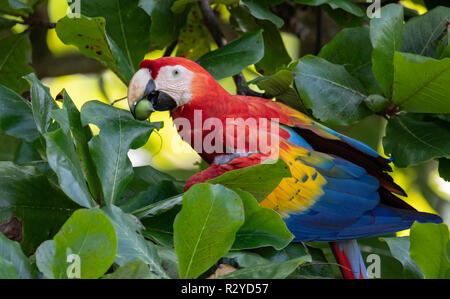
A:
(165, 84)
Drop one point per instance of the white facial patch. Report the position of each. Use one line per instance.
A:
(175, 80)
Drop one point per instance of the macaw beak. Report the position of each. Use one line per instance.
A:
(143, 98)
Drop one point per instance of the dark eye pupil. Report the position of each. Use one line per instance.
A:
(175, 72)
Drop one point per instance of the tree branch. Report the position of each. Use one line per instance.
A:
(216, 33)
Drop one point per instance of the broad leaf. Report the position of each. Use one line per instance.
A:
(40, 205)
(131, 244)
(334, 96)
(165, 24)
(341, 50)
(205, 228)
(232, 58)
(386, 37)
(41, 103)
(81, 135)
(15, 57)
(45, 255)
(429, 249)
(136, 269)
(260, 10)
(348, 6)
(16, 117)
(89, 36)
(268, 271)
(275, 54)
(194, 38)
(424, 93)
(7, 269)
(412, 141)
(259, 180)
(128, 27)
(422, 33)
(90, 236)
(280, 86)
(400, 250)
(11, 254)
(119, 132)
(262, 226)
(63, 160)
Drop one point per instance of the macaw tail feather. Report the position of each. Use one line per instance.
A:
(349, 257)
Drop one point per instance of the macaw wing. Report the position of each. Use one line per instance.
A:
(329, 198)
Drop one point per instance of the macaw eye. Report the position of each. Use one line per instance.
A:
(143, 109)
(175, 72)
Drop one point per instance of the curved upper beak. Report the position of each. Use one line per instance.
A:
(143, 87)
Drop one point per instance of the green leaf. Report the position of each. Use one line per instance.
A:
(119, 132)
(159, 207)
(16, 117)
(280, 86)
(424, 93)
(241, 19)
(334, 96)
(131, 244)
(444, 169)
(63, 160)
(268, 271)
(90, 235)
(232, 58)
(155, 193)
(136, 269)
(260, 10)
(259, 180)
(7, 269)
(343, 18)
(15, 59)
(429, 249)
(412, 141)
(194, 38)
(262, 226)
(45, 255)
(399, 248)
(348, 6)
(11, 254)
(275, 54)
(207, 210)
(81, 135)
(341, 50)
(41, 103)
(128, 27)
(422, 33)
(40, 205)
(165, 24)
(15, 8)
(376, 103)
(89, 36)
(6, 24)
(386, 37)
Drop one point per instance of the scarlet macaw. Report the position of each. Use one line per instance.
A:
(339, 190)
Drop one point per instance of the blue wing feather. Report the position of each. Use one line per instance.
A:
(350, 206)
